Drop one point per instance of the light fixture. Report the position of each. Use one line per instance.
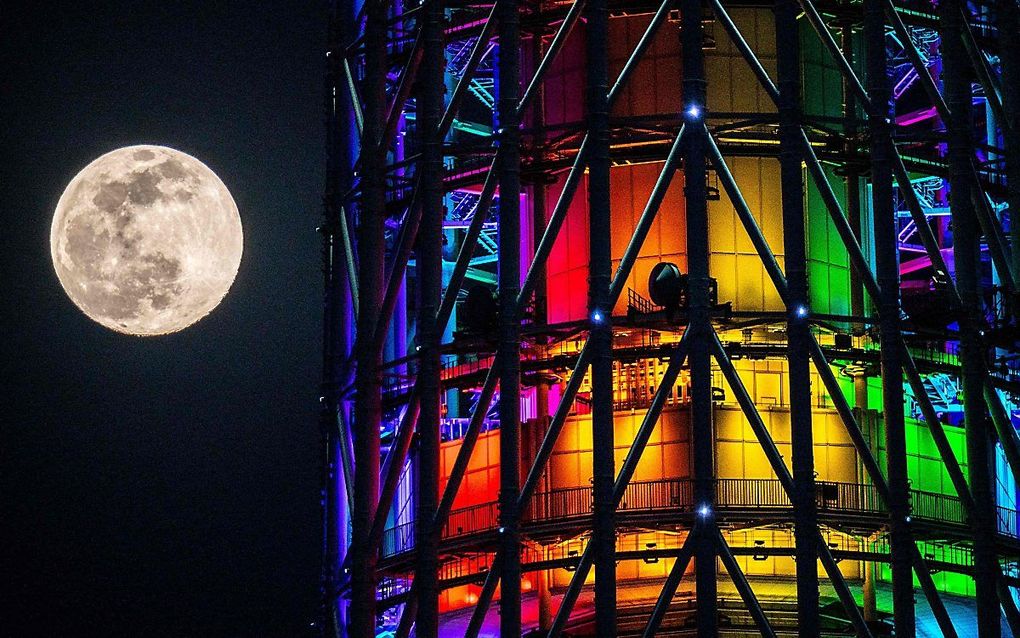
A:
(759, 554)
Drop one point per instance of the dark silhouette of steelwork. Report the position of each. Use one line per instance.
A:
(447, 171)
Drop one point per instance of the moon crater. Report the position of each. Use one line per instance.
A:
(146, 240)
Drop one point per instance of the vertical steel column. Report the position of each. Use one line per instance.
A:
(967, 251)
(368, 376)
(600, 312)
(539, 186)
(699, 315)
(429, 253)
(888, 275)
(857, 304)
(805, 515)
(508, 355)
(852, 172)
(1007, 21)
(336, 321)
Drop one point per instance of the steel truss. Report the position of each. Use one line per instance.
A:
(389, 171)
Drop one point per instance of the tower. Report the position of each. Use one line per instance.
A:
(670, 318)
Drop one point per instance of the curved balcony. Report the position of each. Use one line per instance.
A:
(854, 508)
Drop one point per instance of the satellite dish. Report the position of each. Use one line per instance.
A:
(667, 286)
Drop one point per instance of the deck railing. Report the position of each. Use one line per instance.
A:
(733, 495)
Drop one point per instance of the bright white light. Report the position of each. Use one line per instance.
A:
(596, 316)
(693, 111)
(801, 311)
(177, 248)
(704, 511)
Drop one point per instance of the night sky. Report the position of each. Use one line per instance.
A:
(163, 486)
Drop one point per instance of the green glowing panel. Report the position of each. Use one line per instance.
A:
(927, 472)
(948, 582)
(828, 268)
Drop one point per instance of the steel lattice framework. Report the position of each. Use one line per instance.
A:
(482, 222)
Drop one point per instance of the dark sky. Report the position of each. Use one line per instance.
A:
(162, 486)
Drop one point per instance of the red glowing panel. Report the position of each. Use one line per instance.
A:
(481, 480)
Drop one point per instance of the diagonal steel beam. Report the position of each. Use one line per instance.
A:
(743, 587)
(782, 473)
(460, 464)
(671, 584)
(746, 217)
(928, 240)
(644, 224)
(474, 60)
(457, 473)
(489, 190)
(1007, 23)
(393, 467)
(998, 246)
(409, 228)
(352, 89)
(581, 366)
(584, 564)
(405, 244)
(915, 60)
(835, 213)
(407, 617)
(531, 482)
(938, 433)
(984, 72)
(637, 447)
(832, 386)
(548, 239)
(346, 456)
(569, 20)
(573, 179)
(646, 41)
(571, 183)
(825, 555)
(1003, 428)
(352, 269)
(403, 92)
(467, 248)
(1010, 611)
(829, 42)
(484, 598)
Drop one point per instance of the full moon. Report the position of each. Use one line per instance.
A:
(146, 240)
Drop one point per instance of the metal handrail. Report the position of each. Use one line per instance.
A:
(676, 495)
